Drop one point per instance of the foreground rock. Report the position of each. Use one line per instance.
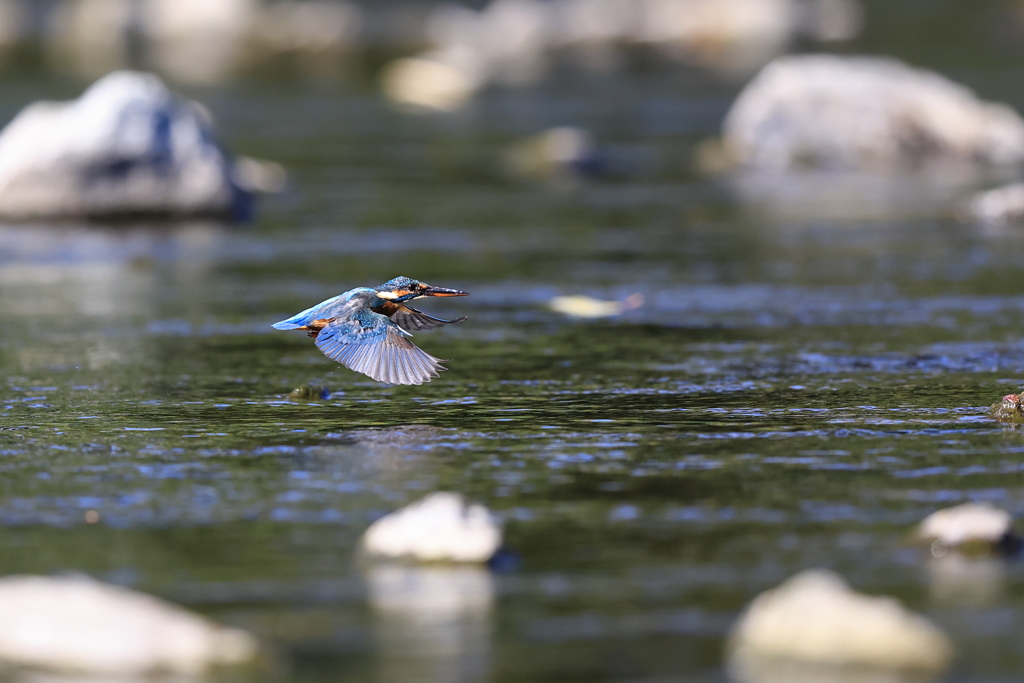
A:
(127, 146)
(816, 618)
(76, 624)
(866, 114)
(438, 528)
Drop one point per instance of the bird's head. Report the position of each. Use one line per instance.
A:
(404, 289)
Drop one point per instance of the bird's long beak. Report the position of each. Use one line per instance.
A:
(441, 291)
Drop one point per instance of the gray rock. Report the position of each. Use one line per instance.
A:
(866, 114)
(127, 146)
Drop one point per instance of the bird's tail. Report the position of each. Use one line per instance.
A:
(297, 321)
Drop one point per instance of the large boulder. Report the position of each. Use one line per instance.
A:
(127, 146)
(866, 114)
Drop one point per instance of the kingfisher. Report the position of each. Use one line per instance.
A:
(368, 329)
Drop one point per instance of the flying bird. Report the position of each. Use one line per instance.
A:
(368, 330)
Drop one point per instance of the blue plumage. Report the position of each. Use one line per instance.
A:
(363, 330)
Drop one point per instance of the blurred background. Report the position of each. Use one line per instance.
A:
(789, 317)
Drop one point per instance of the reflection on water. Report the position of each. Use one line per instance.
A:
(958, 581)
(431, 623)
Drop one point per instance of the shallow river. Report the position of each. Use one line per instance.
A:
(794, 393)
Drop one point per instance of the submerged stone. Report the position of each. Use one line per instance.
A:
(310, 392)
(127, 146)
(76, 624)
(438, 528)
(815, 617)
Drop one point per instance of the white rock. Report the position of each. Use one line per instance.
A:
(438, 528)
(816, 617)
(431, 82)
(865, 113)
(81, 625)
(999, 206)
(197, 41)
(127, 145)
(964, 523)
(313, 25)
(588, 307)
(90, 36)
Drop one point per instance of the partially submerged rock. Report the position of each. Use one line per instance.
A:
(1010, 409)
(866, 113)
(127, 146)
(589, 307)
(815, 617)
(972, 526)
(79, 625)
(310, 392)
(438, 528)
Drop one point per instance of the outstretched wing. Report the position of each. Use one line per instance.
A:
(409, 318)
(373, 345)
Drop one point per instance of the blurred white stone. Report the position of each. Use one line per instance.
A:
(127, 145)
(732, 36)
(816, 617)
(81, 625)
(430, 82)
(588, 307)
(438, 528)
(982, 522)
(999, 206)
(865, 113)
(91, 37)
(197, 41)
(310, 25)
